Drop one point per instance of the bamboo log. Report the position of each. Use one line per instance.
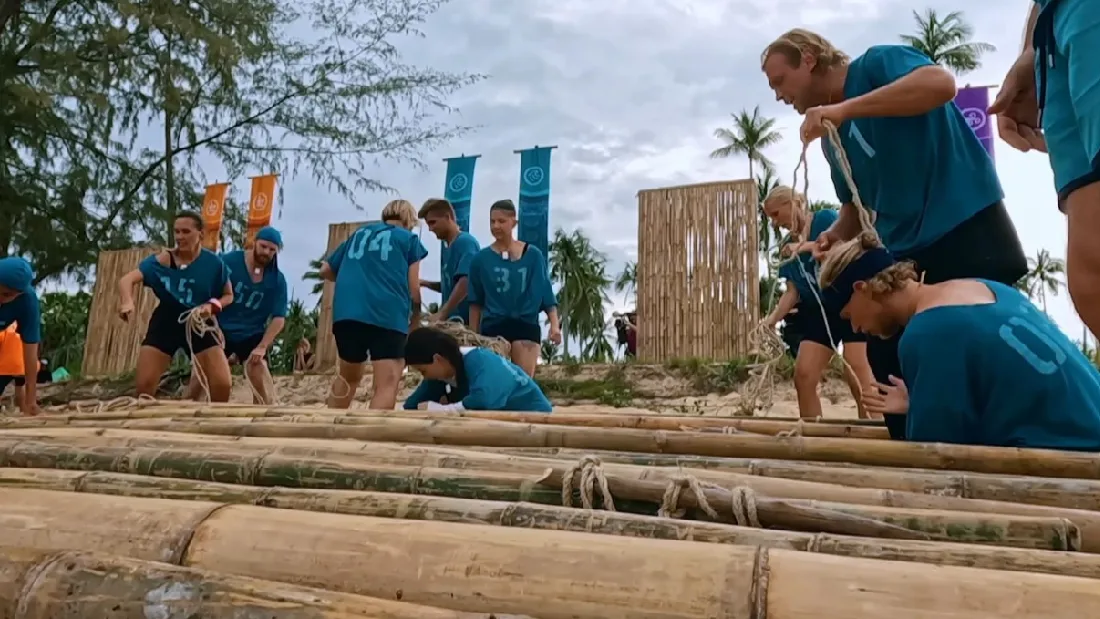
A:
(474, 568)
(1057, 492)
(529, 515)
(643, 422)
(998, 460)
(85, 446)
(87, 585)
(633, 493)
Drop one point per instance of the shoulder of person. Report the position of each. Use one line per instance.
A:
(468, 242)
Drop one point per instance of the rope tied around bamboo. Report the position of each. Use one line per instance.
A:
(592, 477)
(91, 407)
(743, 501)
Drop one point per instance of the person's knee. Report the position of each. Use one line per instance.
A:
(806, 376)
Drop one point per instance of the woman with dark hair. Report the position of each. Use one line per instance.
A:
(183, 278)
(458, 378)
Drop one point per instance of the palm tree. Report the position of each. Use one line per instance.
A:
(627, 279)
(581, 273)
(1045, 274)
(946, 40)
(314, 275)
(548, 352)
(750, 135)
(767, 232)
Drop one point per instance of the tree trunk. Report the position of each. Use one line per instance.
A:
(8, 10)
(169, 181)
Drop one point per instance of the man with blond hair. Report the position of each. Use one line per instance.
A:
(913, 159)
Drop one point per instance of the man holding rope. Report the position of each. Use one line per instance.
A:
(1061, 41)
(258, 313)
(912, 158)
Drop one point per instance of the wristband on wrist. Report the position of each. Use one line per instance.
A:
(217, 305)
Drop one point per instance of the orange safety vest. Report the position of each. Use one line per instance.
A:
(11, 353)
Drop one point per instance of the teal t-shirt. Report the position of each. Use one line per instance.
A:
(189, 286)
(456, 260)
(493, 383)
(790, 270)
(511, 289)
(999, 374)
(372, 276)
(922, 175)
(254, 303)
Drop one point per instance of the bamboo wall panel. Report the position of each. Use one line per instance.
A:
(111, 346)
(698, 275)
(325, 349)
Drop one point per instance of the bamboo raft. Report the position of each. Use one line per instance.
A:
(159, 509)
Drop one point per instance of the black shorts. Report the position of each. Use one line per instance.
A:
(7, 380)
(357, 341)
(812, 324)
(985, 246)
(168, 335)
(242, 347)
(513, 330)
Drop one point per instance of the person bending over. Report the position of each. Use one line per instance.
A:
(258, 313)
(509, 286)
(913, 159)
(459, 249)
(375, 303)
(19, 306)
(183, 278)
(820, 337)
(980, 364)
(466, 378)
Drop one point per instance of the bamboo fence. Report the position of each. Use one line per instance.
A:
(325, 349)
(698, 291)
(111, 345)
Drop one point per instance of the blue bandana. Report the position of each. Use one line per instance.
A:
(870, 264)
(17, 274)
(271, 235)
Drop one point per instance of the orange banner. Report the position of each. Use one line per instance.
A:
(213, 207)
(259, 207)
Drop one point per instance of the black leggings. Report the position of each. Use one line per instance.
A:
(984, 247)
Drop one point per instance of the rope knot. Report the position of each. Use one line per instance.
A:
(592, 477)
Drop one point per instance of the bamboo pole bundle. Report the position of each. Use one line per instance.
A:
(551, 574)
(1056, 492)
(77, 447)
(632, 491)
(93, 585)
(535, 516)
(643, 422)
(997, 460)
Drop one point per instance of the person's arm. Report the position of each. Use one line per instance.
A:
(1029, 29)
(330, 265)
(476, 294)
(433, 286)
(458, 293)
(226, 299)
(30, 374)
(417, 253)
(29, 330)
(126, 285)
(847, 224)
(467, 249)
(555, 320)
(911, 84)
(490, 384)
(278, 314)
(786, 303)
(427, 391)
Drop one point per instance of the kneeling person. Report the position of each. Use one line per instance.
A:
(980, 364)
(258, 313)
(465, 378)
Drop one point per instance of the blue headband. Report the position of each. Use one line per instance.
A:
(870, 264)
(271, 235)
(17, 274)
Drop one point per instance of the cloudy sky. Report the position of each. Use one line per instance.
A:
(631, 92)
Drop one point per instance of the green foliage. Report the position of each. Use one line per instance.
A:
(84, 82)
(300, 324)
(750, 135)
(64, 327)
(946, 40)
(580, 270)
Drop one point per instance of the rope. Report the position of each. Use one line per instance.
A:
(743, 501)
(836, 259)
(794, 432)
(200, 325)
(592, 476)
(456, 329)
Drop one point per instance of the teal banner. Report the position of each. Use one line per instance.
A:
(459, 188)
(534, 196)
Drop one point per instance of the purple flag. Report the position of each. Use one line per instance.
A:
(973, 102)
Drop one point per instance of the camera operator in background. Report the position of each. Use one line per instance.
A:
(627, 332)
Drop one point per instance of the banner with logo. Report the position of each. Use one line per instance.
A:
(260, 205)
(459, 187)
(213, 208)
(973, 101)
(534, 196)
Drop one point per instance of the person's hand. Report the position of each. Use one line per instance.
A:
(890, 399)
(555, 336)
(1017, 107)
(126, 310)
(206, 310)
(436, 317)
(825, 241)
(257, 355)
(813, 123)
